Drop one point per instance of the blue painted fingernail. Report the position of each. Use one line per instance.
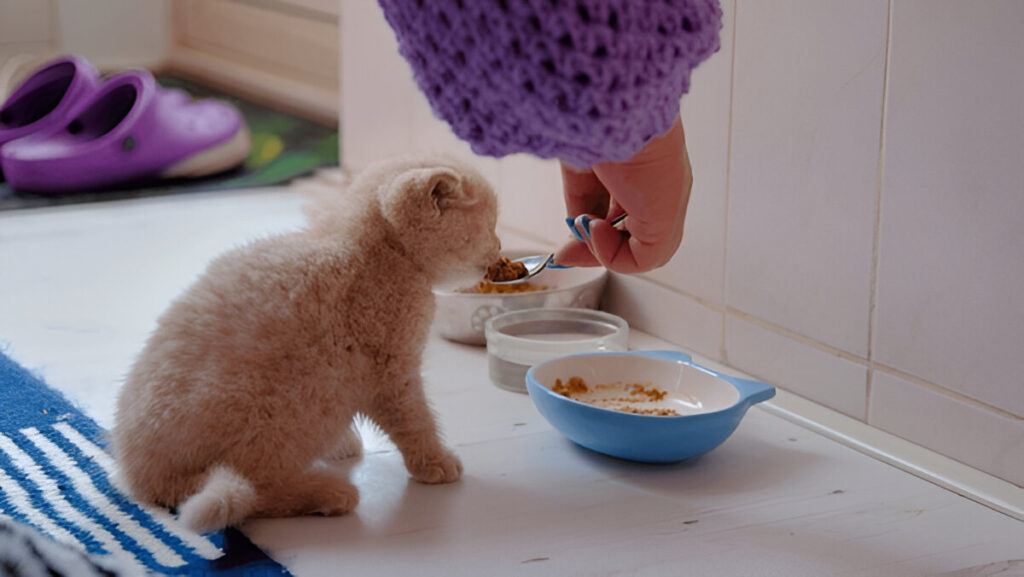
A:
(571, 223)
(585, 223)
(558, 266)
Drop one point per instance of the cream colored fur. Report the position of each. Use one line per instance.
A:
(248, 386)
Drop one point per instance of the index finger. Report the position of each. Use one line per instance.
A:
(653, 187)
(584, 192)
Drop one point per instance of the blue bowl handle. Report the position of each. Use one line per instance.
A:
(668, 355)
(752, 392)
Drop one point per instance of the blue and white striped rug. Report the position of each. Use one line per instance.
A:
(56, 477)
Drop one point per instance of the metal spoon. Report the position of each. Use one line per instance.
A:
(536, 264)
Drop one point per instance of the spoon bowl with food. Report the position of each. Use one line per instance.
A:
(517, 271)
(464, 307)
(524, 268)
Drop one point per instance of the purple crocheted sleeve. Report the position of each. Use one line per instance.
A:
(584, 81)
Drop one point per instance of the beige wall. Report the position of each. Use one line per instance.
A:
(279, 52)
(26, 33)
(25, 27)
(856, 230)
(110, 33)
(282, 53)
(114, 34)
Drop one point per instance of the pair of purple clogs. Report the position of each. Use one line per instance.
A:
(64, 129)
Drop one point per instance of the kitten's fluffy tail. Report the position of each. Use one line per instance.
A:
(225, 498)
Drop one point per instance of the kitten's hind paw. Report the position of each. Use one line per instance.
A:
(316, 492)
(339, 500)
(440, 468)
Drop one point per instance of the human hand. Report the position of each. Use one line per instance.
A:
(653, 188)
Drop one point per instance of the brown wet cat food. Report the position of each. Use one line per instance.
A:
(488, 287)
(505, 270)
(575, 386)
(634, 396)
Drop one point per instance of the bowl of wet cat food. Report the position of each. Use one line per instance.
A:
(463, 309)
(648, 406)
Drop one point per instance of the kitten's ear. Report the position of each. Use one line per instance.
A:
(448, 190)
(439, 188)
(420, 193)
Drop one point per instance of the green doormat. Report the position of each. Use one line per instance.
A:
(284, 147)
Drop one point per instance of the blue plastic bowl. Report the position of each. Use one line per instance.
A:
(710, 404)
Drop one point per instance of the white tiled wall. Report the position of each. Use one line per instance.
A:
(856, 229)
(951, 246)
(699, 267)
(950, 291)
(820, 375)
(989, 440)
(806, 124)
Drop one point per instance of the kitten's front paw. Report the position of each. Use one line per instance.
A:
(440, 468)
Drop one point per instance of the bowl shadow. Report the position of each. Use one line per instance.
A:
(739, 465)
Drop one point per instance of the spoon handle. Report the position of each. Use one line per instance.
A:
(583, 220)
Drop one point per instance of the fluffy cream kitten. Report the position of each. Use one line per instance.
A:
(252, 377)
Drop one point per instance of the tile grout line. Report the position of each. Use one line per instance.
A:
(718, 308)
(723, 352)
(940, 390)
(876, 239)
(869, 365)
(793, 335)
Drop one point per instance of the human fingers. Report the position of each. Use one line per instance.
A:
(584, 192)
(575, 253)
(653, 187)
(581, 252)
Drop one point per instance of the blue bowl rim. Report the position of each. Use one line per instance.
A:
(750, 392)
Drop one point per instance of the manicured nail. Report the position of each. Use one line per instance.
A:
(571, 223)
(558, 266)
(585, 223)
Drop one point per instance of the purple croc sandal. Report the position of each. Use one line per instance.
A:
(130, 130)
(46, 97)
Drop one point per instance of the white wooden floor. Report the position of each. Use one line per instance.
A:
(81, 287)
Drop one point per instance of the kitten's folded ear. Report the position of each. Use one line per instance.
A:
(437, 188)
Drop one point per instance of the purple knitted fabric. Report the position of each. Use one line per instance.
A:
(584, 81)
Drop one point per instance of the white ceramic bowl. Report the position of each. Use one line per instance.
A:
(461, 317)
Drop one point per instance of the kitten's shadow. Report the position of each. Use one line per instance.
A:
(394, 510)
(390, 502)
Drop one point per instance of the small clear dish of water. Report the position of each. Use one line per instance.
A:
(518, 340)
